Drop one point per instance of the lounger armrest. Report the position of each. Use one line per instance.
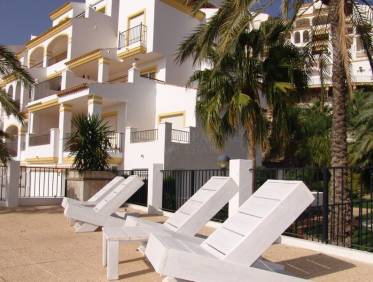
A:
(178, 259)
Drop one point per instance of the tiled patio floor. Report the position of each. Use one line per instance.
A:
(37, 244)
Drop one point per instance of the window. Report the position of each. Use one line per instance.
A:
(135, 28)
(136, 20)
(306, 36)
(297, 37)
(302, 23)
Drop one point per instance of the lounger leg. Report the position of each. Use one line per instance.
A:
(104, 251)
(112, 259)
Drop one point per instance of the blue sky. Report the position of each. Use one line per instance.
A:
(21, 18)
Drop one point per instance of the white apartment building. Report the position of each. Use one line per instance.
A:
(114, 58)
(313, 24)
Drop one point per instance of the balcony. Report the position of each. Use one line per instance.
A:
(46, 88)
(144, 136)
(133, 37)
(39, 139)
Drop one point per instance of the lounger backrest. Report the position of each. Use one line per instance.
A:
(202, 206)
(259, 221)
(118, 196)
(106, 189)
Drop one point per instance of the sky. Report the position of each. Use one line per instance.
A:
(21, 18)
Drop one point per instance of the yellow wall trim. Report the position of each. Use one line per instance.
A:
(42, 105)
(66, 108)
(54, 75)
(60, 11)
(115, 160)
(172, 114)
(8, 79)
(179, 5)
(86, 58)
(44, 160)
(48, 34)
(132, 52)
(109, 114)
(148, 70)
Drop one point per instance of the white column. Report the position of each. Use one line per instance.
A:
(64, 129)
(155, 188)
(133, 73)
(21, 139)
(103, 70)
(13, 172)
(31, 123)
(241, 172)
(94, 105)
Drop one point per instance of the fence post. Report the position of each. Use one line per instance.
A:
(325, 207)
(241, 172)
(13, 173)
(155, 188)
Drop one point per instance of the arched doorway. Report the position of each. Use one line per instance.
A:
(57, 49)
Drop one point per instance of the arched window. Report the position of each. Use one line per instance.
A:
(306, 36)
(17, 94)
(10, 91)
(297, 37)
(36, 58)
(57, 49)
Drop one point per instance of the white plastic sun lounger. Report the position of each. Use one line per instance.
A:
(188, 219)
(102, 214)
(233, 248)
(91, 202)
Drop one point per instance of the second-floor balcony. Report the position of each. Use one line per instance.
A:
(46, 88)
(133, 37)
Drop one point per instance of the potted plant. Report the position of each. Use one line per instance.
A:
(88, 144)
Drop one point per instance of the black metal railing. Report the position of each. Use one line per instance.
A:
(141, 196)
(144, 136)
(38, 140)
(180, 185)
(42, 182)
(180, 136)
(116, 142)
(3, 182)
(133, 35)
(342, 213)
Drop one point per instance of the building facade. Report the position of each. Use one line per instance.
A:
(115, 59)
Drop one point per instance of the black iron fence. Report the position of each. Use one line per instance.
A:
(180, 185)
(42, 182)
(133, 35)
(3, 182)
(342, 213)
(180, 136)
(141, 196)
(144, 136)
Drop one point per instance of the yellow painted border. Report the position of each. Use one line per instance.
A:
(49, 33)
(8, 79)
(180, 6)
(60, 11)
(101, 10)
(148, 70)
(44, 160)
(84, 59)
(172, 114)
(42, 105)
(109, 114)
(132, 52)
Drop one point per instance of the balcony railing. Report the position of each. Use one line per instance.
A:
(132, 36)
(116, 142)
(38, 140)
(144, 136)
(46, 88)
(57, 58)
(180, 136)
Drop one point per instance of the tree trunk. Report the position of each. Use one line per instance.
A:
(341, 212)
(251, 150)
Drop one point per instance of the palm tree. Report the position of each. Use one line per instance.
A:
(260, 65)
(234, 16)
(89, 143)
(10, 65)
